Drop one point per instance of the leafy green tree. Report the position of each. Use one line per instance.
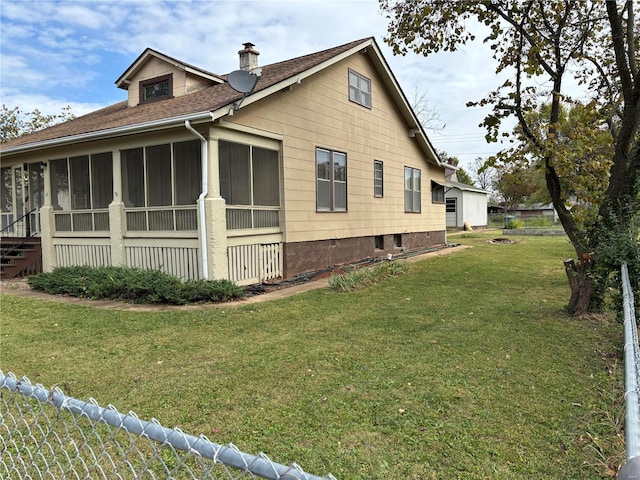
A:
(463, 176)
(15, 123)
(583, 150)
(540, 44)
(516, 185)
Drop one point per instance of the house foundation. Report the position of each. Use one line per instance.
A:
(300, 257)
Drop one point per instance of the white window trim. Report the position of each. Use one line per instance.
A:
(361, 96)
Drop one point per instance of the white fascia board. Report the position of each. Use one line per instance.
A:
(111, 132)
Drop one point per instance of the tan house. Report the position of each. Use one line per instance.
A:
(321, 162)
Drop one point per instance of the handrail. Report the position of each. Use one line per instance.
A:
(29, 235)
(26, 215)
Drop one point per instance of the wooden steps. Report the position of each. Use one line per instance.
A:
(20, 257)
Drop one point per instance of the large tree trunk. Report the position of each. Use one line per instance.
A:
(582, 286)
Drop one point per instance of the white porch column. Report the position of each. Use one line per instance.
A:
(117, 216)
(47, 225)
(46, 235)
(216, 218)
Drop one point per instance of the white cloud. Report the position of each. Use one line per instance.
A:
(75, 50)
(48, 105)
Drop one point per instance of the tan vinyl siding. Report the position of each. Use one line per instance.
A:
(318, 113)
(152, 69)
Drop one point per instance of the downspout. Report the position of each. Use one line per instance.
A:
(205, 191)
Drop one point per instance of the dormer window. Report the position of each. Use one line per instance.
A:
(157, 88)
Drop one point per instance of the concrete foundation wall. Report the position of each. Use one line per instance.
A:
(300, 257)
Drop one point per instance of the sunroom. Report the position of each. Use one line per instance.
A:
(147, 205)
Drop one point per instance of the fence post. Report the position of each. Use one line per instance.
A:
(631, 469)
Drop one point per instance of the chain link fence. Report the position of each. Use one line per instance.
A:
(45, 434)
(631, 469)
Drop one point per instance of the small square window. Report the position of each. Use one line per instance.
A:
(397, 240)
(378, 242)
(359, 89)
(157, 88)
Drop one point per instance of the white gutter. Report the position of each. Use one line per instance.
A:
(205, 191)
(110, 132)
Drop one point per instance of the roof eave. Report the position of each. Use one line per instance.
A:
(152, 126)
(407, 111)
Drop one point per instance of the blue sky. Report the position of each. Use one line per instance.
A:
(58, 53)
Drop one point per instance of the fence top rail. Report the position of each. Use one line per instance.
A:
(228, 455)
(631, 368)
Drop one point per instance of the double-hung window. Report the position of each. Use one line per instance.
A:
(331, 181)
(359, 89)
(412, 190)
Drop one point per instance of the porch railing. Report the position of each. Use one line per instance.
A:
(22, 226)
(81, 221)
(183, 218)
(241, 217)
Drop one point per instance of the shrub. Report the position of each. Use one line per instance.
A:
(363, 277)
(132, 285)
(515, 223)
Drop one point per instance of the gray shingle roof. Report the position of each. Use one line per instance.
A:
(206, 100)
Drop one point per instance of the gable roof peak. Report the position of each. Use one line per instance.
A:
(125, 79)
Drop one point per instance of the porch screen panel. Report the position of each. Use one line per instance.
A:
(102, 179)
(159, 175)
(60, 185)
(36, 185)
(6, 191)
(187, 165)
(235, 174)
(132, 177)
(80, 188)
(266, 177)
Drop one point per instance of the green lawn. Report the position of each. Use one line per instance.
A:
(466, 367)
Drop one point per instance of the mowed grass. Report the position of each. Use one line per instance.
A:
(467, 367)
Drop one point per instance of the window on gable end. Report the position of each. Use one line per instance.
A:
(359, 89)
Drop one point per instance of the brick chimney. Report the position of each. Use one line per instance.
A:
(248, 57)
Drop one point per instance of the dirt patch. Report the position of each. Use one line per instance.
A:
(501, 241)
(14, 285)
